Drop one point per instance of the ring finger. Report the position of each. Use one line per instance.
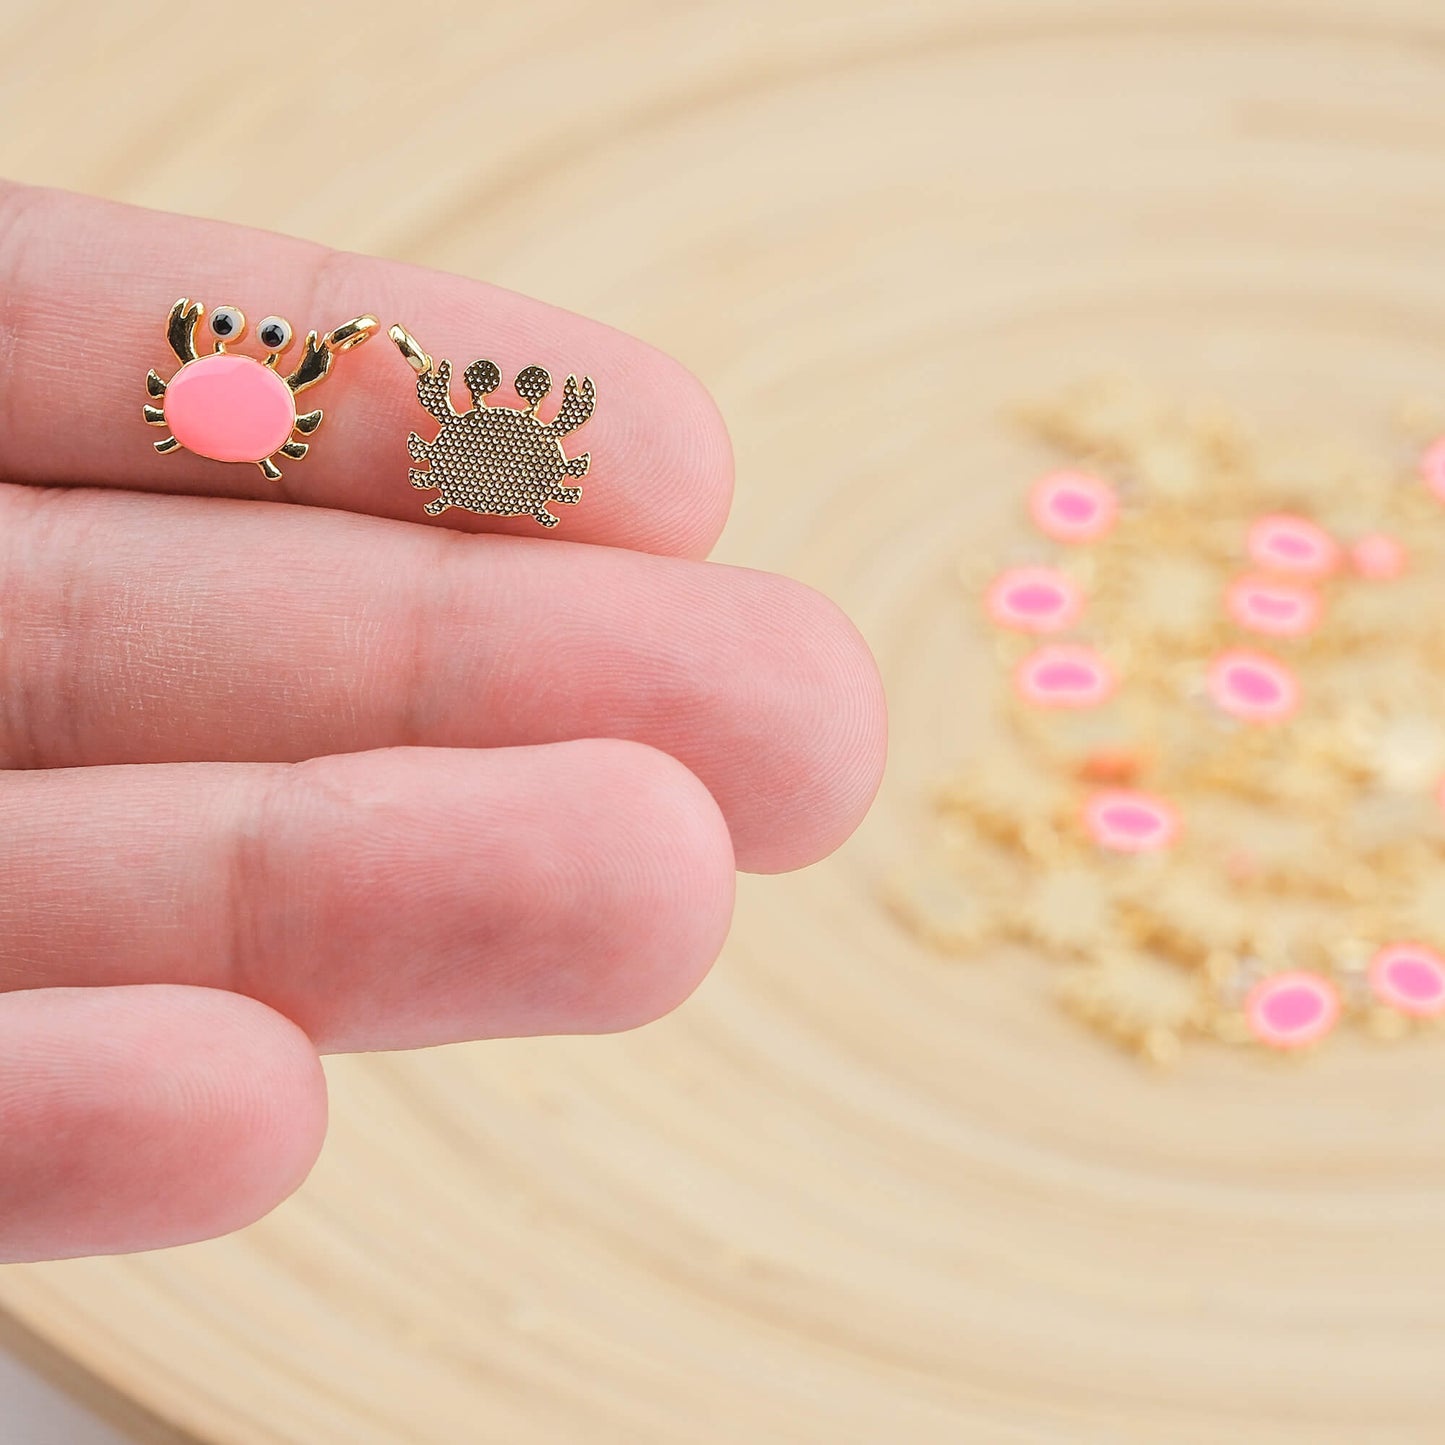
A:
(390, 899)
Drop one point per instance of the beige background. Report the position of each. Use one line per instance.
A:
(850, 1193)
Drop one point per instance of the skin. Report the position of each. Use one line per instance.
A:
(288, 779)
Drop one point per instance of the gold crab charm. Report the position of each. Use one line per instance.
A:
(235, 408)
(495, 460)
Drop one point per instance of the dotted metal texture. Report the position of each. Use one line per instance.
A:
(500, 460)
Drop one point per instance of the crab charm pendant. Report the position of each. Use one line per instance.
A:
(495, 460)
(234, 408)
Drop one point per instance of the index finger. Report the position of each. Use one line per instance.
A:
(85, 290)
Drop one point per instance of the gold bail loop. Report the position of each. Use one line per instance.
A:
(350, 334)
(411, 351)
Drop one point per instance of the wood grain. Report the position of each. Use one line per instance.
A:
(850, 1193)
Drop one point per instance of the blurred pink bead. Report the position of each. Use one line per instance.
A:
(1291, 1010)
(1126, 821)
(1279, 609)
(1073, 506)
(1065, 675)
(1285, 543)
(1253, 686)
(1034, 599)
(1378, 557)
(1409, 977)
(1432, 467)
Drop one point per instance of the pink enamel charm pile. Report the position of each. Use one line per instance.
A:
(1218, 791)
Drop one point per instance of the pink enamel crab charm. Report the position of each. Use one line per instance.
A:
(235, 408)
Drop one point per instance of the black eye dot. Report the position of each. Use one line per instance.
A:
(227, 324)
(274, 332)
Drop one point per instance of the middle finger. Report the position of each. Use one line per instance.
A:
(156, 629)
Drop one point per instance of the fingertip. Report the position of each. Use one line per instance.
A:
(667, 891)
(574, 887)
(272, 1098)
(184, 1112)
(821, 687)
(680, 500)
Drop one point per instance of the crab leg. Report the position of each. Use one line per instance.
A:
(154, 385)
(154, 415)
(269, 469)
(308, 421)
(167, 444)
(295, 450)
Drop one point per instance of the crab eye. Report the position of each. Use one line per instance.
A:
(227, 323)
(275, 333)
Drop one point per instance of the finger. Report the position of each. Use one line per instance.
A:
(381, 900)
(148, 629)
(135, 1118)
(85, 289)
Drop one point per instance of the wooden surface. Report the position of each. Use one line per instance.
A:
(850, 1193)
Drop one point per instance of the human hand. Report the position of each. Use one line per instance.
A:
(324, 777)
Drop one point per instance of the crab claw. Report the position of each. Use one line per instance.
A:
(533, 383)
(433, 390)
(577, 405)
(181, 328)
(482, 378)
(314, 364)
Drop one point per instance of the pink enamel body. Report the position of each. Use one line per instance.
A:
(1283, 542)
(1279, 609)
(1125, 821)
(1292, 1009)
(1034, 599)
(1064, 675)
(1409, 977)
(1073, 506)
(1253, 686)
(229, 408)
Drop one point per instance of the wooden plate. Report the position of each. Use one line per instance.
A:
(850, 1193)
